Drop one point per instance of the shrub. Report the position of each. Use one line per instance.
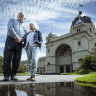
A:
(22, 69)
(84, 71)
(1, 64)
(88, 64)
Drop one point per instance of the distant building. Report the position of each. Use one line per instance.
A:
(64, 53)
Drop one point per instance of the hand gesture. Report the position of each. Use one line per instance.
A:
(18, 40)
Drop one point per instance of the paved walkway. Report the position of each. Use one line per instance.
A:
(43, 79)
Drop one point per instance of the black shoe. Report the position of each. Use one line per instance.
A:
(6, 79)
(14, 78)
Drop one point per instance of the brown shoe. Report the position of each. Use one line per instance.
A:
(31, 79)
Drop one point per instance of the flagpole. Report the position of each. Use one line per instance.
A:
(51, 27)
(79, 9)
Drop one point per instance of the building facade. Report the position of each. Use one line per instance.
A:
(64, 53)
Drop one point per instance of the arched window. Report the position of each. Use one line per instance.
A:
(65, 51)
(43, 69)
(77, 30)
(95, 44)
(48, 50)
(48, 40)
(37, 69)
(90, 29)
(79, 43)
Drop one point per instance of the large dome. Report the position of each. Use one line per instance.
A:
(85, 19)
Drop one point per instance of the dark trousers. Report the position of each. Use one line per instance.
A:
(12, 56)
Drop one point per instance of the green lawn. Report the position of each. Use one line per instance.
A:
(74, 73)
(26, 73)
(1, 73)
(86, 84)
(91, 78)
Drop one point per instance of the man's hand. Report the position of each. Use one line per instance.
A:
(18, 40)
(38, 45)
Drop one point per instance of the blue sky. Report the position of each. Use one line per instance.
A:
(46, 13)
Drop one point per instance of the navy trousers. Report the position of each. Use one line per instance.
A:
(12, 56)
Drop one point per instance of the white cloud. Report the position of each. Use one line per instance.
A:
(2, 44)
(36, 10)
(3, 32)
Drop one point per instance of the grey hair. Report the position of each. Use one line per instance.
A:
(35, 26)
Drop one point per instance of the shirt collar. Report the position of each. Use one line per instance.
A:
(32, 31)
(20, 21)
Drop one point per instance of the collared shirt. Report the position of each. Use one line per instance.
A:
(30, 40)
(15, 28)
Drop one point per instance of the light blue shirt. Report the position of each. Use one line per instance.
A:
(15, 28)
(30, 40)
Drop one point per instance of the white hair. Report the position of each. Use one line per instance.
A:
(35, 26)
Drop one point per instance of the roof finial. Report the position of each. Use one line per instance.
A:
(80, 12)
(51, 29)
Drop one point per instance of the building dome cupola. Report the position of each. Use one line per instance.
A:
(81, 19)
(51, 34)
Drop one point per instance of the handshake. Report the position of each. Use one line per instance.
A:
(19, 40)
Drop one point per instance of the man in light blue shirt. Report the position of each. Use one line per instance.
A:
(15, 29)
(13, 47)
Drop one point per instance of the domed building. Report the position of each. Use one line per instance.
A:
(64, 53)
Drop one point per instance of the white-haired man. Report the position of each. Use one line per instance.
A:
(13, 47)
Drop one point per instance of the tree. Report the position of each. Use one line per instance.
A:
(22, 69)
(88, 64)
(1, 64)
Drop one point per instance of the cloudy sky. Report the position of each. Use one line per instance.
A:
(50, 15)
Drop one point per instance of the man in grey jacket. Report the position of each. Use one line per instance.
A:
(13, 48)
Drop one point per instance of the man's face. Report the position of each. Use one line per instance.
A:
(21, 16)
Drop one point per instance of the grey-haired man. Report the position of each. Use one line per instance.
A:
(13, 47)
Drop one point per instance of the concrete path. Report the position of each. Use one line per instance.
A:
(43, 79)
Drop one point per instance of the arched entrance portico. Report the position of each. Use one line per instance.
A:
(63, 57)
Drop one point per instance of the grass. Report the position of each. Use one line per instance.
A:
(91, 78)
(1, 73)
(26, 73)
(86, 84)
(64, 73)
(72, 74)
